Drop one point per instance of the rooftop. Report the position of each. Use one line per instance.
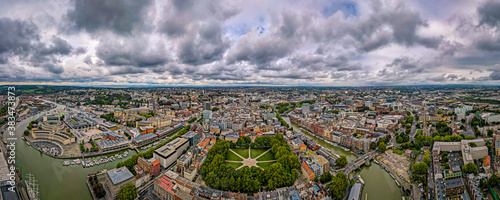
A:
(119, 175)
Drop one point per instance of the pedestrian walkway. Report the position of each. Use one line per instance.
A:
(249, 162)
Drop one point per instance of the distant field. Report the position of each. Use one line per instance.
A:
(236, 165)
(256, 152)
(241, 152)
(28, 91)
(232, 156)
(268, 156)
(265, 165)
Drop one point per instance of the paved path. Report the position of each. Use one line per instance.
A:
(249, 162)
(262, 154)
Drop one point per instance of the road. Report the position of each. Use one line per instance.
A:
(413, 128)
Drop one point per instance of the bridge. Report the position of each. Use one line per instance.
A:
(363, 160)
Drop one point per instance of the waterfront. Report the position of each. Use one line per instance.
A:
(55, 180)
(378, 183)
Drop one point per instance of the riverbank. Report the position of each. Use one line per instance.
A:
(379, 185)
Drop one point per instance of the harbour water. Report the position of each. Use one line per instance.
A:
(55, 180)
(378, 183)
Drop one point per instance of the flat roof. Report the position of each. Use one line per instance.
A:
(454, 183)
(355, 192)
(119, 175)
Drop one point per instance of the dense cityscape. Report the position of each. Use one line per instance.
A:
(249, 100)
(416, 142)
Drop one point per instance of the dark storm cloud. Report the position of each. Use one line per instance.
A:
(56, 69)
(260, 52)
(130, 52)
(196, 29)
(59, 46)
(205, 46)
(489, 45)
(490, 13)
(16, 38)
(495, 75)
(405, 25)
(376, 43)
(121, 16)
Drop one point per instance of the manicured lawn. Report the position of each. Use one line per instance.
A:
(265, 165)
(232, 156)
(268, 156)
(241, 152)
(236, 165)
(256, 152)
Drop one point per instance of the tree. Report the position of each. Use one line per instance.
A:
(420, 168)
(342, 161)
(470, 168)
(427, 157)
(26, 132)
(493, 180)
(99, 190)
(373, 145)
(338, 185)
(316, 179)
(326, 177)
(382, 147)
(128, 192)
(472, 144)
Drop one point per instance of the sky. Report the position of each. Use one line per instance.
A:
(258, 42)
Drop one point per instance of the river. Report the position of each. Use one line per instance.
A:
(379, 185)
(56, 182)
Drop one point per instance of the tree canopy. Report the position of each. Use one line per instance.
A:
(338, 185)
(420, 168)
(382, 147)
(342, 161)
(128, 192)
(219, 175)
(470, 168)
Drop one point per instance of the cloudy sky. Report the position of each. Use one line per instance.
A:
(258, 42)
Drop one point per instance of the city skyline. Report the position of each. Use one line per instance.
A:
(224, 43)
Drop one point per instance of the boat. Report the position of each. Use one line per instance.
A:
(361, 180)
(28, 143)
(66, 163)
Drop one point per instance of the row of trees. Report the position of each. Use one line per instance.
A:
(219, 175)
(282, 121)
(129, 163)
(192, 120)
(244, 141)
